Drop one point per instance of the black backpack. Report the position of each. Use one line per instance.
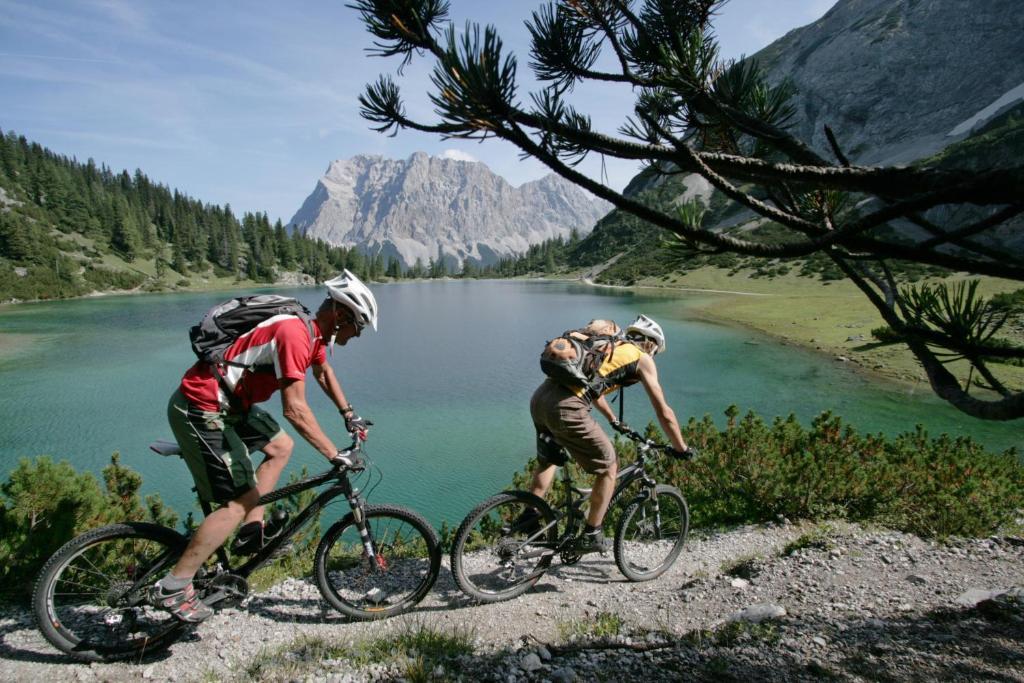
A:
(574, 358)
(227, 321)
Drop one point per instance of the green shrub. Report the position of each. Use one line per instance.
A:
(886, 335)
(104, 278)
(44, 504)
(752, 471)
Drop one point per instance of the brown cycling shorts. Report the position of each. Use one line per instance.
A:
(562, 416)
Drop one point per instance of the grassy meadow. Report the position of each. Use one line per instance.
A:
(831, 317)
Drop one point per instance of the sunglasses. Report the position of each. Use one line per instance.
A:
(358, 324)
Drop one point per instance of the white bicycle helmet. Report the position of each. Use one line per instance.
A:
(349, 291)
(646, 327)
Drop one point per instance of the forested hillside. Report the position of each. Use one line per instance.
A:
(68, 228)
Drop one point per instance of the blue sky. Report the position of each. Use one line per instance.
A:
(248, 102)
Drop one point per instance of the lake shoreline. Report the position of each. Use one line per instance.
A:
(703, 313)
(10, 348)
(831, 319)
(890, 365)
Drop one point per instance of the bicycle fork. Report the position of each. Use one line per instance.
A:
(376, 561)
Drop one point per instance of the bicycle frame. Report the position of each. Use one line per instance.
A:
(575, 497)
(343, 487)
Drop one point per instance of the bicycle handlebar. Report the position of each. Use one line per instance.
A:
(645, 444)
(350, 457)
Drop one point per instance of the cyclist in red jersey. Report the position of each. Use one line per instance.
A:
(215, 418)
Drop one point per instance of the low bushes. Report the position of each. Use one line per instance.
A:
(753, 471)
(45, 504)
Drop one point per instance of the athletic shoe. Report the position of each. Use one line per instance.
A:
(248, 540)
(593, 542)
(184, 604)
(527, 523)
(253, 536)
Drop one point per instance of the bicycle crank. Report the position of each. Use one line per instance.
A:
(570, 557)
(226, 590)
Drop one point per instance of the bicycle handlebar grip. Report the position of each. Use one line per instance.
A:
(349, 459)
(689, 454)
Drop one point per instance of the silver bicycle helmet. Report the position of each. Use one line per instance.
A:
(646, 327)
(349, 291)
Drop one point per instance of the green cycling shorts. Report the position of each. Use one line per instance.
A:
(216, 446)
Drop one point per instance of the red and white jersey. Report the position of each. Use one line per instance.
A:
(278, 348)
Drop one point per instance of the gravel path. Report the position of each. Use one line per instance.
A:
(853, 604)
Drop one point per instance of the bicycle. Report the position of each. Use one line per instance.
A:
(90, 599)
(508, 542)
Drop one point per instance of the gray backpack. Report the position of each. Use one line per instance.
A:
(574, 358)
(227, 321)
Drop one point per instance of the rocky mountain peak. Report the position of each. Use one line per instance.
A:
(423, 206)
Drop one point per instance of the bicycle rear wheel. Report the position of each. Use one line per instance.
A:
(90, 599)
(406, 563)
(651, 533)
(504, 546)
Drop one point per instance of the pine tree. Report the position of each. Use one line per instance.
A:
(16, 240)
(124, 232)
(724, 121)
(394, 268)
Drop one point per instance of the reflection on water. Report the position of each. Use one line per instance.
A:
(447, 380)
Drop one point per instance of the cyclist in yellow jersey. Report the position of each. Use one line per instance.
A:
(562, 418)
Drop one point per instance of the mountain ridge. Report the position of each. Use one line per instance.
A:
(426, 207)
(853, 69)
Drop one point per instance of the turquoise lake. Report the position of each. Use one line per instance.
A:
(447, 380)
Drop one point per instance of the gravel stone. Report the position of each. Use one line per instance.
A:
(962, 619)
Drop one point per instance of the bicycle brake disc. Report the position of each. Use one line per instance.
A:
(226, 590)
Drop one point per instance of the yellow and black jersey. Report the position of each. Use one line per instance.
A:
(618, 370)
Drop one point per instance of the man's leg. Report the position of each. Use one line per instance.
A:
(594, 453)
(212, 533)
(277, 453)
(543, 475)
(220, 464)
(601, 495)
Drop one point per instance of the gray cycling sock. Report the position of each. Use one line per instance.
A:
(172, 583)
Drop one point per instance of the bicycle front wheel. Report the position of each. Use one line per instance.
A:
(90, 599)
(504, 546)
(405, 562)
(651, 533)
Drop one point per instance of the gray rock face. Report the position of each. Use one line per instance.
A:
(898, 80)
(415, 207)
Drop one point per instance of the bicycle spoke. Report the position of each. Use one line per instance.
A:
(401, 570)
(502, 548)
(651, 534)
(89, 606)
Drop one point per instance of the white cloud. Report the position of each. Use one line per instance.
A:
(457, 155)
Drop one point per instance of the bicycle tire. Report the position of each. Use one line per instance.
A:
(651, 533)
(408, 554)
(488, 536)
(111, 568)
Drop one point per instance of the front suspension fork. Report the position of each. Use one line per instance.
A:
(376, 561)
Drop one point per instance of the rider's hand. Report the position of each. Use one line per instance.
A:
(621, 427)
(689, 454)
(348, 459)
(354, 423)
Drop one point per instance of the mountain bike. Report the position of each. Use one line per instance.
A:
(508, 542)
(90, 599)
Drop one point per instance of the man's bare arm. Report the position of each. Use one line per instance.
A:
(328, 381)
(299, 414)
(666, 416)
(602, 406)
